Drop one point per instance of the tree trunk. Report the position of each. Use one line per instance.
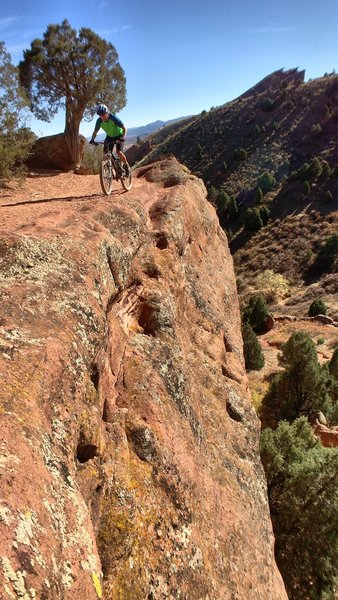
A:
(72, 127)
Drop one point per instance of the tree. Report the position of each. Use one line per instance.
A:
(301, 389)
(75, 72)
(15, 138)
(266, 181)
(252, 220)
(303, 495)
(253, 355)
(256, 313)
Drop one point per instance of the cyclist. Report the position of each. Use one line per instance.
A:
(115, 130)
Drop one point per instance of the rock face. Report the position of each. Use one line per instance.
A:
(51, 152)
(129, 443)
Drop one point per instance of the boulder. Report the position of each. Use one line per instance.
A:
(51, 152)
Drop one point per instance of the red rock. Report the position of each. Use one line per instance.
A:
(129, 442)
(328, 436)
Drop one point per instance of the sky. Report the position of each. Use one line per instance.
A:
(184, 56)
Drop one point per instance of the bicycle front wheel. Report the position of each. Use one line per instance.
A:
(106, 177)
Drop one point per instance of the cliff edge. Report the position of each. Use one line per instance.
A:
(129, 454)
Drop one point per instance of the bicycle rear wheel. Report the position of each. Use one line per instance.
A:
(106, 177)
(126, 180)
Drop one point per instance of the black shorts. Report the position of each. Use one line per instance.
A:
(110, 142)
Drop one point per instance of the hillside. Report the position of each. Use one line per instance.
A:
(281, 126)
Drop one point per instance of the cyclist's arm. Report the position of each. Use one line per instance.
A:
(96, 130)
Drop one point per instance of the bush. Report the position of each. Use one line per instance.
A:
(256, 313)
(274, 286)
(303, 496)
(252, 220)
(232, 210)
(317, 307)
(266, 181)
(306, 188)
(264, 213)
(267, 104)
(328, 197)
(316, 129)
(259, 194)
(240, 154)
(253, 355)
(328, 253)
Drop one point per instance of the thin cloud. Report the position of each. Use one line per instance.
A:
(6, 21)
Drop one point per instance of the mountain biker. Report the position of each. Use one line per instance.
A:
(115, 130)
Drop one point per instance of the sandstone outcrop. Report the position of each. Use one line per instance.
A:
(129, 455)
(51, 152)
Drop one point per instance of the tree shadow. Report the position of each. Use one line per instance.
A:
(63, 199)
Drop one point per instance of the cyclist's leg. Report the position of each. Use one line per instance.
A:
(122, 157)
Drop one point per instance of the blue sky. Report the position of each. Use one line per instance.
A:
(183, 56)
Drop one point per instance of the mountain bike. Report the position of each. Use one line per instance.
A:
(112, 169)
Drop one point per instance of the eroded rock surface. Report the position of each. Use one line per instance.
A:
(129, 452)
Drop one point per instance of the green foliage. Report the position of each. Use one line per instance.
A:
(92, 158)
(259, 194)
(72, 71)
(256, 313)
(252, 220)
(273, 285)
(306, 188)
(333, 364)
(328, 254)
(267, 104)
(266, 181)
(264, 213)
(222, 202)
(15, 139)
(303, 496)
(240, 154)
(315, 168)
(253, 355)
(317, 307)
(301, 389)
(232, 210)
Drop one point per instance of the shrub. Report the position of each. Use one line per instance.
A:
(306, 188)
(232, 210)
(328, 253)
(259, 194)
(317, 307)
(256, 313)
(253, 355)
(252, 220)
(315, 168)
(316, 129)
(274, 286)
(266, 181)
(267, 104)
(264, 213)
(328, 197)
(240, 154)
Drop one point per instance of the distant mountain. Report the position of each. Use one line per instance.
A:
(143, 131)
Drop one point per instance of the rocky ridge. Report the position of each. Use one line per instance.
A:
(129, 457)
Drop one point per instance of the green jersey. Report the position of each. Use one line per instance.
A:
(113, 127)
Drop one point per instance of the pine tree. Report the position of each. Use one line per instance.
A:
(302, 479)
(256, 313)
(253, 355)
(301, 389)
